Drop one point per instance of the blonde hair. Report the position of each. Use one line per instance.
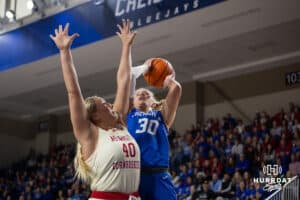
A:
(83, 171)
(156, 105)
(90, 105)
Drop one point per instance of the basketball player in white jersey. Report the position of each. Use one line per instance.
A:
(108, 158)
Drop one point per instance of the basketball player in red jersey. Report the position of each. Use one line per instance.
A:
(108, 158)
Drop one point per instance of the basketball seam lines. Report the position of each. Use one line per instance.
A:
(161, 75)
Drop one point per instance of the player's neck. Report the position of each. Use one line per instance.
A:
(144, 108)
(111, 124)
(117, 126)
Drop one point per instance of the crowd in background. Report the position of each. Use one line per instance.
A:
(220, 158)
(214, 160)
(43, 177)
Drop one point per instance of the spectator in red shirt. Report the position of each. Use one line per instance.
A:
(283, 147)
(294, 166)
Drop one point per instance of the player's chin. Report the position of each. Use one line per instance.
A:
(142, 99)
(141, 102)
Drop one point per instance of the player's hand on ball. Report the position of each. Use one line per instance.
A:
(125, 34)
(169, 79)
(148, 62)
(157, 72)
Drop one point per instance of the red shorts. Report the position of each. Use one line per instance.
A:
(114, 195)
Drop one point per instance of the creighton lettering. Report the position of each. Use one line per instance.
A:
(142, 114)
(127, 6)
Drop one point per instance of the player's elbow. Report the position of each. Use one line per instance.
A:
(177, 89)
(178, 86)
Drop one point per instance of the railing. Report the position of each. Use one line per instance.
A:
(290, 191)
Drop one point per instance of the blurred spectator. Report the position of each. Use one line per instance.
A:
(215, 184)
(205, 193)
(242, 192)
(226, 187)
(276, 130)
(230, 166)
(294, 166)
(242, 164)
(269, 154)
(238, 147)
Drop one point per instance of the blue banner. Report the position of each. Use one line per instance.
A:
(94, 21)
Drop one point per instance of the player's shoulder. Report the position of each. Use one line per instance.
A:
(156, 112)
(133, 112)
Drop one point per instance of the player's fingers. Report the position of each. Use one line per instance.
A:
(133, 35)
(66, 29)
(148, 62)
(75, 35)
(120, 28)
(167, 81)
(127, 25)
(52, 37)
(60, 28)
(123, 23)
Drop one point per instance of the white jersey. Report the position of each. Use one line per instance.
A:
(115, 163)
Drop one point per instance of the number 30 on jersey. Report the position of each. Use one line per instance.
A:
(147, 126)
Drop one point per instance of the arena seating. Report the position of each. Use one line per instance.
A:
(217, 159)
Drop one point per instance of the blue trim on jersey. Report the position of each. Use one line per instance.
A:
(151, 134)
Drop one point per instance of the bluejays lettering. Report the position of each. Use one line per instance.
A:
(124, 8)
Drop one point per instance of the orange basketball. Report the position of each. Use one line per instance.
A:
(156, 74)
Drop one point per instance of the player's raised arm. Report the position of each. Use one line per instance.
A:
(79, 117)
(121, 103)
(172, 99)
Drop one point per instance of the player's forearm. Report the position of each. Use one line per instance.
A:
(69, 72)
(132, 86)
(172, 101)
(175, 90)
(124, 71)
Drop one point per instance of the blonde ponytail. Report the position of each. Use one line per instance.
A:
(83, 171)
(158, 105)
